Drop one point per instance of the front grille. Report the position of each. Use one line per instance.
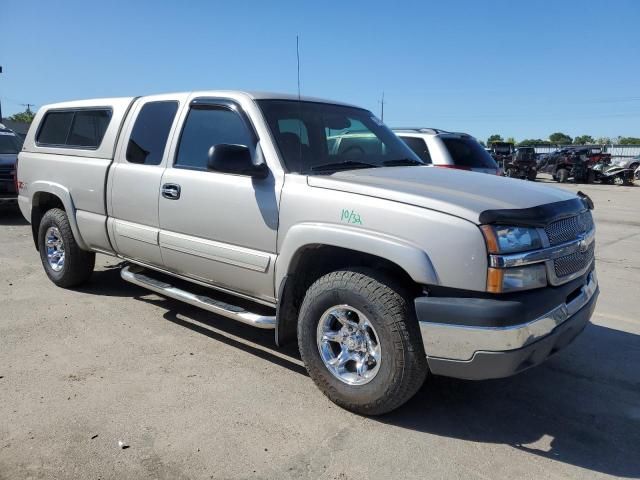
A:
(573, 263)
(568, 229)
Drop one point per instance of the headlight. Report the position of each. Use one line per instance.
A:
(505, 239)
(503, 280)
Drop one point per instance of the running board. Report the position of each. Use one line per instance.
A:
(214, 306)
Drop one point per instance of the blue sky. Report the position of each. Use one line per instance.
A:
(522, 69)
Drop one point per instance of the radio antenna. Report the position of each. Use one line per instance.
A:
(298, 60)
(382, 107)
(299, 104)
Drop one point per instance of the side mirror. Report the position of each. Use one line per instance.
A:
(234, 159)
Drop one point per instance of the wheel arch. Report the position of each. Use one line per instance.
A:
(314, 250)
(48, 195)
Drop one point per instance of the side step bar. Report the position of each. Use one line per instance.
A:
(214, 306)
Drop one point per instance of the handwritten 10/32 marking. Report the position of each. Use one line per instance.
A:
(350, 216)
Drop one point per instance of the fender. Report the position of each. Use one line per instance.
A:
(411, 258)
(64, 195)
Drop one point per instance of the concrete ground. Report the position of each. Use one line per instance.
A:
(196, 396)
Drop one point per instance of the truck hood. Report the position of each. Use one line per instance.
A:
(460, 193)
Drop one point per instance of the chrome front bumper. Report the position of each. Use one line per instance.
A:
(461, 344)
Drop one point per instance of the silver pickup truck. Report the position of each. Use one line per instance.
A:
(322, 225)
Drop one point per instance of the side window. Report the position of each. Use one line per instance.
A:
(80, 128)
(205, 127)
(88, 128)
(150, 132)
(55, 128)
(419, 147)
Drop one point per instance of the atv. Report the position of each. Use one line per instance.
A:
(522, 164)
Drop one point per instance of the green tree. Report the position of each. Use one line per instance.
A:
(511, 140)
(583, 140)
(494, 138)
(559, 137)
(533, 141)
(603, 140)
(25, 117)
(629, 140)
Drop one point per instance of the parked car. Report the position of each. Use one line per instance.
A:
(575, 163)
(448, 149)
(630, 162)
(10, 145)
(522, 164)
(385, 271)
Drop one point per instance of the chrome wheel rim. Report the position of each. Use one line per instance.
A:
(55, 249)
(349, 345)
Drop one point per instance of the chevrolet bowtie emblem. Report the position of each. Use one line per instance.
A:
(583, 245)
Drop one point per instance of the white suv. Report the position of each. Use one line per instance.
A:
(448, 149)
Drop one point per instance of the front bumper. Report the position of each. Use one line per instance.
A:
(476, 339)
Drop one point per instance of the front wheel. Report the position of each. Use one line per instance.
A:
(64, 262)
(360, 341)
(531, 176)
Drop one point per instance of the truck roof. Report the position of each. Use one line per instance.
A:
(119, 106)
(255, 95)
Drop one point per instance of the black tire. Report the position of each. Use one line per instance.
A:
(562, 175)
(511, 173)
(403, 366)
(531, 176)
(78, 263)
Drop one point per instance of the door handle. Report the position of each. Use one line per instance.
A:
(171, 191)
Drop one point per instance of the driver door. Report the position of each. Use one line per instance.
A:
(216, 227)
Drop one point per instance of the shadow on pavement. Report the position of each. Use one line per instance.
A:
(582, 407)
(252, 340)
(10, 215)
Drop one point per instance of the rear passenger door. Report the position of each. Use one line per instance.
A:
(135, 177)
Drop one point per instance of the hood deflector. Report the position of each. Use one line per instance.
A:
(539, 216)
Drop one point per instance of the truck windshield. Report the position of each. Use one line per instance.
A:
(316, 138)
(9, 143)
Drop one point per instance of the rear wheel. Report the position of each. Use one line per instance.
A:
(531, 176)
(562, 175)
(360, 341)
(64, 262)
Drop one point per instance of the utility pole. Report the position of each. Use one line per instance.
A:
(0, 100)
(382, 107)
(28, 105)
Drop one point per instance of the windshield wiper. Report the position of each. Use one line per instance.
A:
(348, 165)
(399, 162)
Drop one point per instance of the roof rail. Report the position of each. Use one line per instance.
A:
(421, 130)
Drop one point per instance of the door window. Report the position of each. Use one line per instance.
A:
(205, 127)
(150, 132)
